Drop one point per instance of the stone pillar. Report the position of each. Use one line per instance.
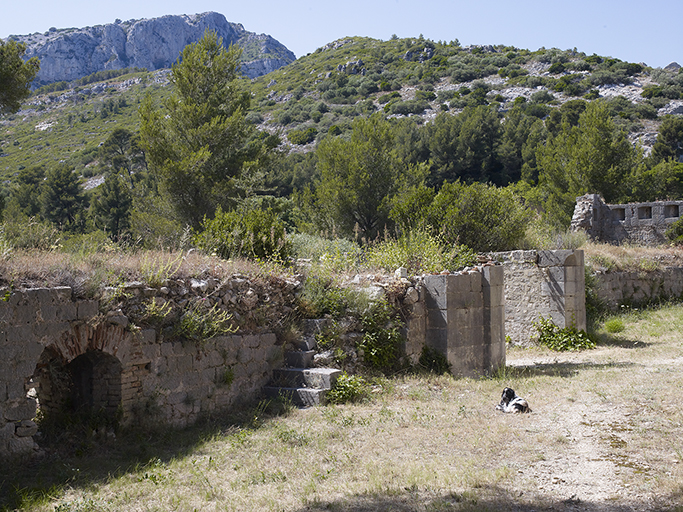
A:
(564, 287)
(465, 320)
(493, 287)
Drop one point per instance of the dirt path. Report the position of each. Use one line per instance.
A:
(589, 467)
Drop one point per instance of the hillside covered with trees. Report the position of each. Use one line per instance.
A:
(484, 148)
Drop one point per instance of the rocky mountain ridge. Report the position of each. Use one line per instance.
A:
(156, 43)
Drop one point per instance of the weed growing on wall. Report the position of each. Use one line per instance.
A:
(322, 297)
(157, 311)
(199, 323)
(156, 272)
(382, 340)
(562, 339)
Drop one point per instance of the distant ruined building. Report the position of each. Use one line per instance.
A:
(636, 223)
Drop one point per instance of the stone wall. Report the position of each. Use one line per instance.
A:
(549, 284)
(638, 288)
(89, 356)
(638, 223)
(461, 316)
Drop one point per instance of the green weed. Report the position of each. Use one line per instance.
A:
(562, 339)
(348, 388)
(200, 323)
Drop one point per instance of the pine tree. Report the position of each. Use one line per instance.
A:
(198, 143)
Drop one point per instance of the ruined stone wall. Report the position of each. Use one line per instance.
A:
(549, 284)
(638, 288)
(461, 316)
(637, 223)
(103, 356)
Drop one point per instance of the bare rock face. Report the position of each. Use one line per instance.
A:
(69, 54)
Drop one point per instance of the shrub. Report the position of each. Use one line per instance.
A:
(674, 232)
(348, 388)
(419, 252)
(253, 234)
(302, 136)
(382, 341)
(614, 325)
(562, 339)
(480, 216)
(409, 107)
(200, 323)
(321, 297)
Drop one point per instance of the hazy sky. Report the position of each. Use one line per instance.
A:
(636, 31)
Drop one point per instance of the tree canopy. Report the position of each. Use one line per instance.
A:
(16, 75)
(198, 143)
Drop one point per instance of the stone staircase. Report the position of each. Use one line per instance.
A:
(297, 381)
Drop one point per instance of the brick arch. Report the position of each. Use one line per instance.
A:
(109, 338)
(83, 368)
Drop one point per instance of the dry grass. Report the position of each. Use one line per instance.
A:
(28, 269)
(631, 258)
(605, 434)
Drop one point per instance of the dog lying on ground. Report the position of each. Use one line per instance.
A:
(510, 402)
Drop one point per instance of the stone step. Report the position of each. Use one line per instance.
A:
(299, 396)
(299, 358)
(314, 378)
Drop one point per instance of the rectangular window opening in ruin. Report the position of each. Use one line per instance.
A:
(671, 211)
(644, 212)
(619, 213)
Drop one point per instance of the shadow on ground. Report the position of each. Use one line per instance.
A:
(79, 457)
(558, 369)
(489, 498)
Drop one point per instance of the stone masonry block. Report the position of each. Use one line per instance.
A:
(553, 258)
(435, 292)
(25, 315)
(251, 341)
(38, 296)
(268, 338)
(494, 276)
(88, 309)
(61, 293)
(21, 409)
(576, 260)
(18, 334)
(555, 274)
(438, 340)
(467, 361)
(67, 312)
(465, 299)
(462, 283)
(552, 289)
(437, 319)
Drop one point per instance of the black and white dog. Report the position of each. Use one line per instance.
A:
(510, 402)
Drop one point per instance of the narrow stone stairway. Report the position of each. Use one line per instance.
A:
(297, 381)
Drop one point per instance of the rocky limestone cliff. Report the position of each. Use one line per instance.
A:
(69, 54)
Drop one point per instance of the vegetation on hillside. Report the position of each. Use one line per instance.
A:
(372, 141)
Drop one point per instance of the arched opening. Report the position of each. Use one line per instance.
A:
(84, 390)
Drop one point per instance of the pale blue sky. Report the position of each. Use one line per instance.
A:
(636, 31)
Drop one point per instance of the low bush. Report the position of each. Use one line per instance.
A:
(302, 136)
(348, 388)
(614, 325)
(419, 252)
(252, 234)
(562, 339)
(382, 340)
(200, 322)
